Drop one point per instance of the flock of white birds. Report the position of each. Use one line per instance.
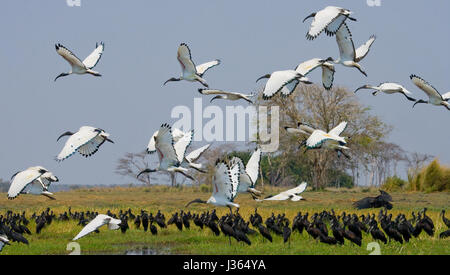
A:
(230, 178)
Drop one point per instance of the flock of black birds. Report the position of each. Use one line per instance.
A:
(326, 226)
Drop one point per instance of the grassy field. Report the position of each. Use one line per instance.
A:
(54, 238)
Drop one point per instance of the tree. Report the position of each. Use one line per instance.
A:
(131, 164)
(324, 110)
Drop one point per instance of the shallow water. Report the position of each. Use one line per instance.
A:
(147, 251)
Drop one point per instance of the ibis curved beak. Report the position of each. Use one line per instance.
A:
(419, 101)
(309, 16)
(171, 79)
(216, 97)
(60, 75)
(195, 201)
(148, 170)
(68, 133)
(362, 87)
(264, 76)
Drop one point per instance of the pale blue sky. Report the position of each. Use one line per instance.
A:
(141, 38)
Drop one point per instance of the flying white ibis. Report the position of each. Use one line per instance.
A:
(434, 97)
(284, 81)
(180, 145)
(96, 223)
(170, 154)
(249, 173)
(225, 185)
(226, 95)
(350, 57)
(327, 70)
(190, 72)
(78, 66)
(34, 180)
(86, 141)
(332, 139)
(291, 194)
(388, 88)
(330, 19)
(3, 241)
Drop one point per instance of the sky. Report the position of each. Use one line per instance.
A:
(251, 38)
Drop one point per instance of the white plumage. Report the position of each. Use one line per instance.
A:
(96, 223)
(331, 140)
(86, 141)
(225, 185)
(434, 97)
(170, 154)
(34, 180)
(78, 66)
(249, 173)
(327, 70)
(388, 88)
(292, 194)
(284, 81)
(348, 55)
(190, 72)
(3, 241)
(226, 95)
(329, 19)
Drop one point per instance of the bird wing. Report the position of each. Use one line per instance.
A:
(364, 203)
(308, 66)
(93, 225)
(289, 88)
(446, 96)
(165, 146)
(338, 129)
(194, 155)
(202, 68)
(252, 168)
(425, 86)
(185, 59)
(182, 144)
(327, 75)
(75, 141)
(69, 56)
(91, 147)
(221, 179)
(244, 179)
(95, 56)
(232, 189)
(151, 144)
(329, 18)
(363, 50)
(280, 79)
(177, 134)
(289, 194)
(317, 138)
(22, 180)
(345, 43)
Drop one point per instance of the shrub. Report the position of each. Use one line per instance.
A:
(205, 188)
(432, 178)
(394, 184)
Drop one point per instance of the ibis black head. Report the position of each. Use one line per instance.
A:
(148, 170)
(264, 76)
(420, 101)
(195, 201)
(60, 75)
(216, 97)
(172, 79)
(68, 133)
(362, 87)
(309, 16)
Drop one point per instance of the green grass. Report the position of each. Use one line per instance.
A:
(54, 238)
